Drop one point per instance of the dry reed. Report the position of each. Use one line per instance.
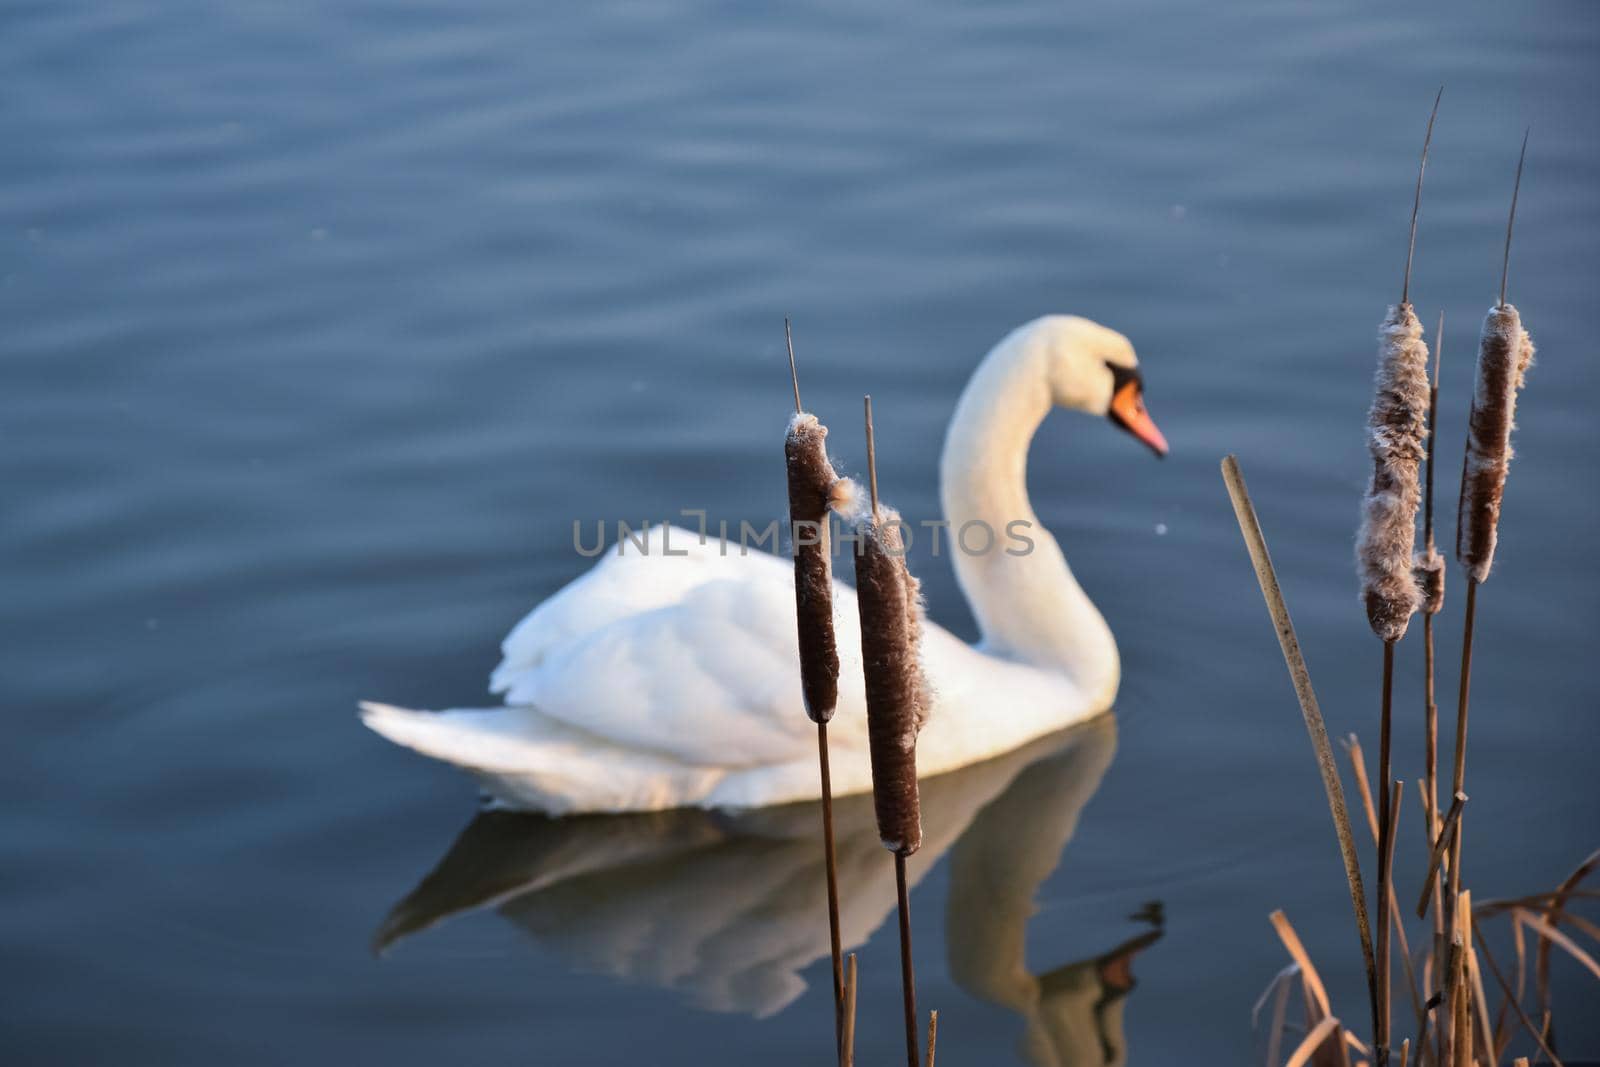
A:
(1446, 831)
(1300, 675)
(1568, 887)
(1318, 1037)
(1466, 1030)
(1359, 769)
(890, 604)
(811, 485)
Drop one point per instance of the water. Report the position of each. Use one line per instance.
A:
(322, 324)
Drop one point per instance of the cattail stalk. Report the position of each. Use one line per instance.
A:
(1505, 351)
(811, 483)
(1429, 572)
(890, 602)
(1384, 555)
(847, 1053)
(1386, 543)
(1359, 769)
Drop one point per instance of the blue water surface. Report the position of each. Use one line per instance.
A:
(321, 323)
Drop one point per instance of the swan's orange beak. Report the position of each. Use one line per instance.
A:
(1127, 411)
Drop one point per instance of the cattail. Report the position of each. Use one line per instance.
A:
(1395, 431)
(1386, 544)
(811, 482)
(1504, 353)
(890, 603)
(812, 490)
(890, 600)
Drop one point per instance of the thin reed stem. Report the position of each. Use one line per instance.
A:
(1553, 914)
(1459, 774)
(1511, 219)
(908, 981)
(892, 697)
(1416, 201)
(1363, 788)
(794, 374)
(1418, 1010)
(1430, 722)
(872, 456)
(833, 886)
(848, 1054)
(1433, 420)
(1461, 1032)
(1430, 703)
(805, 462)
(1437, 850)
(1256, 542)
(1385, 854)
(1359, 768)
(1430, 756)
(933, 1035)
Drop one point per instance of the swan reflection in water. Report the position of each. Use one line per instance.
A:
(726, 908)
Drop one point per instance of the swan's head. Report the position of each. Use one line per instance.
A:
(1093, 369)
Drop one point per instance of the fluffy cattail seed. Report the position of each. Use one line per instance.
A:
(848, 501)
(890, 602)
(1505, 352)
(1396, 427)
(811, 485)
(1428, 569)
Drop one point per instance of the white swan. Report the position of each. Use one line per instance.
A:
(670, 679)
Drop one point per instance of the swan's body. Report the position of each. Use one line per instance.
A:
(669, 677)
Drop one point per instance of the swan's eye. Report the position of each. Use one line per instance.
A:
(1121, 376)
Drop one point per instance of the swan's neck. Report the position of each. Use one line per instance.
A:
(1028, 605)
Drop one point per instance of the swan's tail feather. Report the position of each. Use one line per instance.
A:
(528, 761)
(462, 736)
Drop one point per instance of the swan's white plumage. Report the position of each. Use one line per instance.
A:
(668, 676)
(692, 695)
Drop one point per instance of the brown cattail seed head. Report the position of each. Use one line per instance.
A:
(1505, 352)
(1396, 431)
(811, 481)
(1429, 571)
(890, 601)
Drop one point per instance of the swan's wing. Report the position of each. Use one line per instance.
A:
(627, 580)
(694, 657)
(713, 674)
